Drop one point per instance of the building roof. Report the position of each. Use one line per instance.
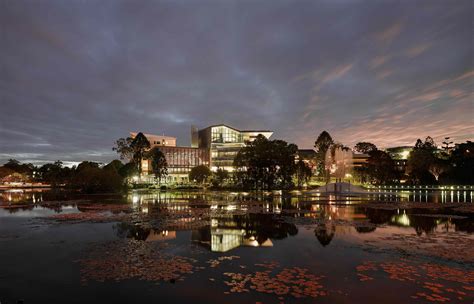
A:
(147, 135)
(242, 131)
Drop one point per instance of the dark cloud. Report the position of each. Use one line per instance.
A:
(76, 75)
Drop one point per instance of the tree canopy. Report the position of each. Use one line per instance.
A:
(322, 145)
(264, 164)
(199, 174)
(159, 166)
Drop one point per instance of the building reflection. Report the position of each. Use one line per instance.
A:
(252, 230)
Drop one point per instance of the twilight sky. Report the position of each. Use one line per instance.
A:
(77, 75)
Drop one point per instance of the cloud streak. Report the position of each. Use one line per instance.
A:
(78, 75)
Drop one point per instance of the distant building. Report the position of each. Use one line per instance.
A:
(400, 157)
(180, 159)
(215, 146)
(223, 143)
(359, 159)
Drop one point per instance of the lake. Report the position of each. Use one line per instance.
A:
(236, 247)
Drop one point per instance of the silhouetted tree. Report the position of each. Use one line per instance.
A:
(199, 174)
(365, 147)
(128, 170)
(220, 176)
(302, 173)
(462, 161)
(321, 145)
(381, 167)
(139, 145)
(123, 148)
(419, 161)
(264, 163)
(159, 165)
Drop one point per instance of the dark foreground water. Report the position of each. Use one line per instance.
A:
(223, 247)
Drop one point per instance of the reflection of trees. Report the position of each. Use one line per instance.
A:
(365, 229)
(126, 230)
(324, 232)
(422, 224)
(264, 226)
(378, 216)
(466, 225)
(326, 229)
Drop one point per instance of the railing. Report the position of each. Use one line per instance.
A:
(424, 187)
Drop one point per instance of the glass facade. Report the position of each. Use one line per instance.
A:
(223, 143)
(223, 135)
(180, 160)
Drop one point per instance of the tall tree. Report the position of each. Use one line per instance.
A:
(159, 165)
(381, 167)
(322, 145)
(123, 148)
(462, 160)
(139, 146)
(365, 147)
(264, 163)
(302, 173)
(419, 161)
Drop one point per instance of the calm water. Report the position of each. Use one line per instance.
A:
(224, 247)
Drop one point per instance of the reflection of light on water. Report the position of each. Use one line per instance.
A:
(231, 207)
(402, 219)
(135, 199)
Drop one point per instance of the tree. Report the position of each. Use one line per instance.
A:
(302, 173)
(90, 178)
(264, 164)
(420, 160)
(381, 167)
(321, 145)
(16, 166)
(220, 176)
(123, 148)
(365, 147)
(128, 170)
(139, 146)
(54, 174)
(159, 166)
(199, 174)
(114, 165)
(462, 160)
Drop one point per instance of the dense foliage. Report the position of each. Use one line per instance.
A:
(322, 145)
(266, 164)
(199, 174)
(159, 165)
(87, 176)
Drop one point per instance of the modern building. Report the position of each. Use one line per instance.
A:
(215, 146)
(180, 159)
(223, 143)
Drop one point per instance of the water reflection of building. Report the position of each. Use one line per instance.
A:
(227, 232)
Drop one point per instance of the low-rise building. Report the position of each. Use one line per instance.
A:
(215, 146)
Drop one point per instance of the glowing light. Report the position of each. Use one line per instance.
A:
(404, 154)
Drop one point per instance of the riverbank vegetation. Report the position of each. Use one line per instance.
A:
(262, 164)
